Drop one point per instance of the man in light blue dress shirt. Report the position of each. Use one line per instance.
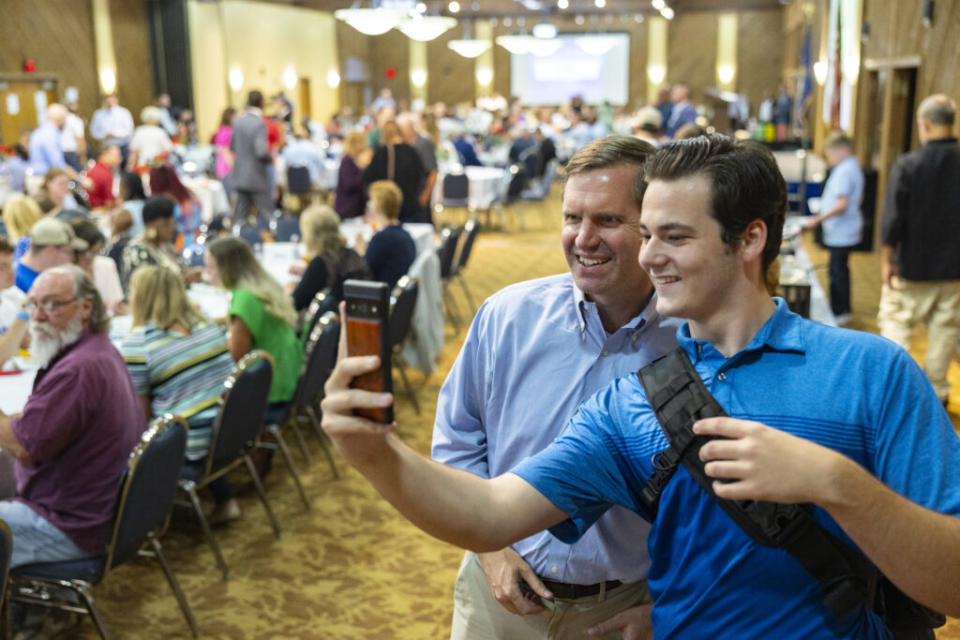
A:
(534, 352)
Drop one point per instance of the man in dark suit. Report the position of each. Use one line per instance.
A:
(251, 163)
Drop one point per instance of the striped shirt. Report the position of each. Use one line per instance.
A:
(182, 375)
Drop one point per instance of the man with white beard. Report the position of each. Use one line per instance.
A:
(77, 429)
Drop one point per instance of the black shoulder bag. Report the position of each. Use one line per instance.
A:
(847, 578)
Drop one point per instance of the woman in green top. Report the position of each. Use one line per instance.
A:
(261, 314)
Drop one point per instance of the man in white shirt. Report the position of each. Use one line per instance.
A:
(72, 139)
(149, 139)
(112, 124)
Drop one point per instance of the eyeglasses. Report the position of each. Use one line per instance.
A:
(47, 306)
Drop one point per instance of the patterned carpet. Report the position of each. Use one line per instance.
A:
(350, 568)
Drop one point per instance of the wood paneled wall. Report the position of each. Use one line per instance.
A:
(759, 53)
(897, 33)
(692, 51)
(391, 51)
(58, 35)
(451, 78)
(131, 41)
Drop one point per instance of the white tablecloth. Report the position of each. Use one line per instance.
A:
(210, 193)
(15, 388)
(484, 187)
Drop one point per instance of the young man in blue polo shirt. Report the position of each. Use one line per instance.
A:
(841, 219)
(842, 420)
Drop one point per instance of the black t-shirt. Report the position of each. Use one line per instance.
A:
(390, 253)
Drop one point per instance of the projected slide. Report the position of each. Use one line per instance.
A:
(572, 70)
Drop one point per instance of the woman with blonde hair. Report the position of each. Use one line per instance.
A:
(350, 199)
(20, 213)
(261, 313)
(178, 361)
(331, 260)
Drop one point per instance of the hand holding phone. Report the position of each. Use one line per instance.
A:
(368, 334)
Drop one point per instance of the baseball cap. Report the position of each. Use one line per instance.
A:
(51, 231)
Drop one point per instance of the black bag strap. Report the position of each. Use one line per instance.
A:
(679, 398)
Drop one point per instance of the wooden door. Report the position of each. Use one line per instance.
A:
(24, 95)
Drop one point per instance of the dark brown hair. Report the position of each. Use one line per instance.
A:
(745, 184)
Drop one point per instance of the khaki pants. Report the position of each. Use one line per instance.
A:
(478, 616)
(934, 303)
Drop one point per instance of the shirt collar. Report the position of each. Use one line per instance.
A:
(941, 141)
(783, 331)
(645, 317)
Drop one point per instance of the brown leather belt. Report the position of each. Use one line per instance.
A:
(567, 591)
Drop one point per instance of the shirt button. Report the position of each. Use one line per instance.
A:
(605, 353)
(554, 569)
(721, 376)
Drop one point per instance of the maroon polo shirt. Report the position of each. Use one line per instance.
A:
(80, 424)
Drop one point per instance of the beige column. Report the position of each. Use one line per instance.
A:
(418, 70)
(656, 56)
(483, 64)
(103, 43)
(727, 51)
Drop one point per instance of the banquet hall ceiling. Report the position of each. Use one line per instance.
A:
(490, 8)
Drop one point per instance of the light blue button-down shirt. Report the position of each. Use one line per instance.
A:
(534, 352)
(45, 150)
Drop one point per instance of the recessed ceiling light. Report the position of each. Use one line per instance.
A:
(600, 3)
(454, 7)
(563, 4)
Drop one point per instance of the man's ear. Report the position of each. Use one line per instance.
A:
(753, 241)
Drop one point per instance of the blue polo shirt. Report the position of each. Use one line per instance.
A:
(854, 392)
(25, 277)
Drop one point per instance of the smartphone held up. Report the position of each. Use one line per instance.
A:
(368, 334)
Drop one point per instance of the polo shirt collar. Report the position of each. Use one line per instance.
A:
(582, 305)
(783, 331)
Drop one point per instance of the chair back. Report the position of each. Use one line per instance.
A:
(193, 255)
(531, 161)
(447, 251)
(518, 179)
(285, 229)
(6, 552)
(250, 234)
(456, 187)
(322, 302)
(321, 356)
(298, 180)
(149, 487)
(242, 409)
(403, 301)
(549, 175)
(470, 231)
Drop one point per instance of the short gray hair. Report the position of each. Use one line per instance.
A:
(938, 109)
(84, 288)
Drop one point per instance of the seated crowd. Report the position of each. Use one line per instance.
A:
(686, 271)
